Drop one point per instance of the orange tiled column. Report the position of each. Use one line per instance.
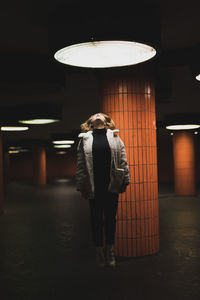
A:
(131, 104)
(1, 175)
(6, 162)
(39, 165)
(184, 163)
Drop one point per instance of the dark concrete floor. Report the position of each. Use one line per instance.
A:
(46, 250)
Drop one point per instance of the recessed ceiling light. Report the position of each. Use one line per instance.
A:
(198, 77)
(62, 146)
(13, 128)
(182, 127)
(14, 147)
(105, 54)
(61, 152)
(38, 121)
(13, 151)
(63, 142)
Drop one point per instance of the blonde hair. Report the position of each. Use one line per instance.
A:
(87, 125)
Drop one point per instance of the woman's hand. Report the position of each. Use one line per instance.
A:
(123, 188)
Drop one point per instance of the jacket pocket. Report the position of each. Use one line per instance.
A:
(119, 176)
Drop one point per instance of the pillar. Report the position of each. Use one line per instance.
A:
(6, 169)
(130, 102)
(1, 175)
(39, 165)
(184, 163)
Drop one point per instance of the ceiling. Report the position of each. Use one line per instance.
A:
(30, 75)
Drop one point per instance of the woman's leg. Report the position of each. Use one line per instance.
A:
(110, 211)
(96, 214)
(96, 207)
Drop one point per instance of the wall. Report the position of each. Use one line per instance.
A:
(61, 166)
(58, 166)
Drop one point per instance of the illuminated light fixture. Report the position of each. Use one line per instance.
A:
(61, 180)
(105, 54)
(13, 151)
(38, 121)
(198, 77)
(14, 147)
(171, 133)
(14, 128)
(182, 127)
(23, 150)
(62, 146)
(196, 132)
(43, 113)
(61, 152)
(63, 142)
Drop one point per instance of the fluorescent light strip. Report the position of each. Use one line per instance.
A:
(61, 152)
(62, 146)
(13, 151)
(38, 121)
(13, 128)
(183, 127)
(63, 142)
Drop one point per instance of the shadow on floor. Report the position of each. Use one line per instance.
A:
(46, 250)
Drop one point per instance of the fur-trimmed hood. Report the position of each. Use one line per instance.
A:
(88, 133)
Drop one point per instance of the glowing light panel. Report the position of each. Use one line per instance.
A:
(63, 142)
(198, 77)
(14, 147)
(38, 121)
(61, 152)
(105, 54)
(182, 127)
(13, 151)
(13, 128)
(62, 146)
(23, 150)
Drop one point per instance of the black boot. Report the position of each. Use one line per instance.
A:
(100, 257)
(110, 257)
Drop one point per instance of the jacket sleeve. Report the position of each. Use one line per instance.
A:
(81, 171)
(124, 164)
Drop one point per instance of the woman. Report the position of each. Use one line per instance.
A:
(102, 173)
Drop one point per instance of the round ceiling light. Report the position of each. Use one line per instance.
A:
(38, 121)
(62, 146)
(14, 128)
(182, 127)
(198, 77)
(13, 151)
(105, 54)
(63, 142)
(15, 147)
(61, 152)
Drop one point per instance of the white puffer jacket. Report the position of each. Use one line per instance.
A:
(119, 171)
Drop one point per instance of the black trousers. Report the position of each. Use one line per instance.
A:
(103, 209)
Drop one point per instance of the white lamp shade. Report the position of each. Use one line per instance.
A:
(198, 77)
(105, 54)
